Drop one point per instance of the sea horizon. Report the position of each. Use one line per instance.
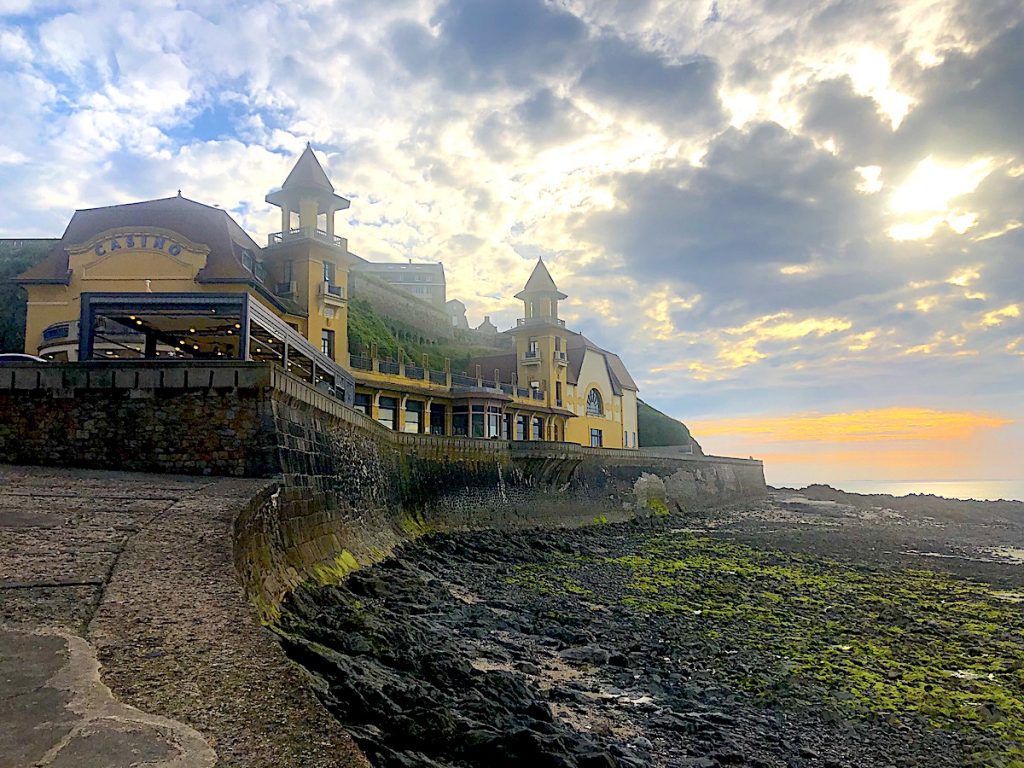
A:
(960, 490)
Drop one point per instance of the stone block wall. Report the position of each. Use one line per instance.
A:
(349, 489)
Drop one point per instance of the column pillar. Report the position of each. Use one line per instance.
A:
(425, 422)
(375, 406)
(401, 412)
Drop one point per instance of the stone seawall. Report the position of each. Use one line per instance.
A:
(349, 489)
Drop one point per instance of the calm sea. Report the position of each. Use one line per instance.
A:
(982, 490)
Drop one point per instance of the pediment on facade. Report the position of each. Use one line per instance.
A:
(149, 253)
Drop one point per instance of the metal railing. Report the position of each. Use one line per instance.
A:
(524, 321)
(277, 238)
(460, 380)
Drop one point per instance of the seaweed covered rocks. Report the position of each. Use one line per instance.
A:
(786, 635)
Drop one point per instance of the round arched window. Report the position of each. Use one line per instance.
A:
(595, 405)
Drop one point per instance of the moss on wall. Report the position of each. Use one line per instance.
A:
(16, 256)
(366, 327)
(655, 428)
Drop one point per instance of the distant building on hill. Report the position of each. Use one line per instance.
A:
(422, 279)
(175, 279)
(457, 313)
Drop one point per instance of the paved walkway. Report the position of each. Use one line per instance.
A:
(125, 639)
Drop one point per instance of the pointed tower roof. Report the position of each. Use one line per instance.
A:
(308, 179)
(308, 173)
(540, 282)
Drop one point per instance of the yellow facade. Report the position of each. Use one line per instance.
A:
(118, 260)
(178, 246)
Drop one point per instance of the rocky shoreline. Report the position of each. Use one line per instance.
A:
(793, 632)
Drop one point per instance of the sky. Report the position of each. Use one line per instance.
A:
(798, 222)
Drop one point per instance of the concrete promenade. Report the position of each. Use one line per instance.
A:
(125, 637)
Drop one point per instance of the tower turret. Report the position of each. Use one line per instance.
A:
(309, 193)
(541, 340)
(540, 296)
(308, 262)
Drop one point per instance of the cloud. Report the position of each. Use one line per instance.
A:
(483, 44)
(682, 94)
(783, 202)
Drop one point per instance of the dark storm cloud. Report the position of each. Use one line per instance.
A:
(541, 120)
(624, 77)
(970, 104)
(481, 44)
(763, 199)
(831, 109)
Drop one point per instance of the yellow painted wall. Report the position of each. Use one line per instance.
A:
(594, 375)
(133, 267)
(546, 371)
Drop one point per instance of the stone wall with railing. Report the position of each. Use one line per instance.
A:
(349, 489)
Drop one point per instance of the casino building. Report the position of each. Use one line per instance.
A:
(177, 279)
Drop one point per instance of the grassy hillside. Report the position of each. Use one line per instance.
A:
(15, 258)
(656, 428)
(366, 327)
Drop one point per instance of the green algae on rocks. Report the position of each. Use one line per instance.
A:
(868, 640)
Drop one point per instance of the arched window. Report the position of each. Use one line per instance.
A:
(595, 406)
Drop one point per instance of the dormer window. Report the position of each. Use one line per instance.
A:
(253, 265)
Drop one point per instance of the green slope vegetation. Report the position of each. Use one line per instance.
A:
(366, 328)
(15, 258)
(656, 429)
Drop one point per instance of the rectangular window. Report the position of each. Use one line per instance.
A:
(327, 343)
(387, 412)
(494, 420)
(460, 421)
(596, 438)
(413, 416)
(288, 272)
(521, 427)
(329, 272)
(437, 414)
(533, 350)
(558, 394)
(625, 439)
(538, 428)
(362, 403)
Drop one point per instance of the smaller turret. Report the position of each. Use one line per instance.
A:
(540, 296)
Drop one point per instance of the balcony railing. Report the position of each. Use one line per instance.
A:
(277, 238)
(525, 321)
(330, 291)
(460, 381)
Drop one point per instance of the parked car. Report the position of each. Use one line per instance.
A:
(18, 357)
